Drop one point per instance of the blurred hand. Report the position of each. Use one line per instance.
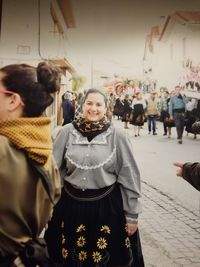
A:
(131, 228)
(179, 171)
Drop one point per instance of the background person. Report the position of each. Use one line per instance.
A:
(191, 115)
(169, 121)
(177, 107)
(95, 222)
(118, 107)
(138, 113)
(29, 179)
(68, 108)
(163, 108)
(126, 111)
(152, 112)
(110, 107)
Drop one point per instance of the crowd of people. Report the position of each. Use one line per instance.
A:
(83, 189)
(173, 109)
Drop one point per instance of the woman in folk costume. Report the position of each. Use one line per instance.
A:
(29, 179)
(138, 113)
(126, 111)
(118, 107)
(95, 222)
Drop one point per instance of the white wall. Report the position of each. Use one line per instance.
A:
(168, 57)
(28, 36)
(27, 32)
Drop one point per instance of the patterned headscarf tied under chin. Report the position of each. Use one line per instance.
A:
(91, 128)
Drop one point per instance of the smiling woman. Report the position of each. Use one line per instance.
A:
(95, 222)
(94, 108)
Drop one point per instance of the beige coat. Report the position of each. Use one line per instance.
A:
(152, 106)
(25, 206)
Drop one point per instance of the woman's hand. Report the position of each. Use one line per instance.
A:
(131, 228)
(179, 171)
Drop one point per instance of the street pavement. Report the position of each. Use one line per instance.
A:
(170, 232)
(170, 221)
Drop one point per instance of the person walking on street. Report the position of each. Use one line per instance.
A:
(29, 178)
(95, 223)
(191, 115)
(126, 111)
(110, 108)
(118, 107)
(163, 107)
(138, 113)
(177, 107)
(152, 112)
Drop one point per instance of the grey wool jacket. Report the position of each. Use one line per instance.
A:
(105, 160)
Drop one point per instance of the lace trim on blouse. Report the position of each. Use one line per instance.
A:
(96, 142)
(86, 167)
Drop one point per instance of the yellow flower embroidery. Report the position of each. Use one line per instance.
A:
(80, 228)
(63, 239)
(96, 256)
(105, 229)
(101, 243)
(64, 253)
(82, 255)
(62, 224)
(81, 241)
(127, 242)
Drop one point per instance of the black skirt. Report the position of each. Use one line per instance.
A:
(137, 120)
(88, 230)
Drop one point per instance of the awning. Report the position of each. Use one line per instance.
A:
(64, 65)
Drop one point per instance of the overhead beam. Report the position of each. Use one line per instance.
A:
(67, 11)
(56, 20)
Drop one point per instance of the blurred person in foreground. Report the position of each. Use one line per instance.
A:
(29, 179)
(95, 223)
(190, 172)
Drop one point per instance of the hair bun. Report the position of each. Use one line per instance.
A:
(48, 76)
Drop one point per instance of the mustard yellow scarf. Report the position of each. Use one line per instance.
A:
(33, 135)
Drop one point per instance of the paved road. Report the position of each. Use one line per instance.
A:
(170, 222)
(170, 231)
